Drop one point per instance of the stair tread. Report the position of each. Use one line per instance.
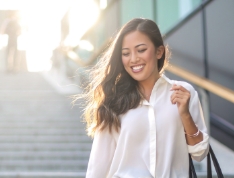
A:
(41, 133)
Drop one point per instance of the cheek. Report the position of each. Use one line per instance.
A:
(124, 61)
(150, 57)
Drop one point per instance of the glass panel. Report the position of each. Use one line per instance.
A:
(93, 41)
(136, 8)
(171, 12)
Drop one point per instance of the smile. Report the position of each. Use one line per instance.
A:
(137, 68)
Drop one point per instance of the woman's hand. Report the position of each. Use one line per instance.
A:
(181, 97)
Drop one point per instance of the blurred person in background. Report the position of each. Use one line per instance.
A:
(58, 53)
(12, 28)
(65, 28)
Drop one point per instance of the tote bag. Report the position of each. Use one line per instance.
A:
(192, 173)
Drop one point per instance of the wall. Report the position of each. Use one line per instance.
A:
(187, 50)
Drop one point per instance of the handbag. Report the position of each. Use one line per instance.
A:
(192, 173)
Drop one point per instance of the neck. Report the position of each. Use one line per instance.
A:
(147, 86)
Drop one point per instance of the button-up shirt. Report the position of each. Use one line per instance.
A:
(151, 141)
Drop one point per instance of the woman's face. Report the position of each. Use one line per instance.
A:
(140, 57)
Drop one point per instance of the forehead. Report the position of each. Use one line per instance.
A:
(134, 38)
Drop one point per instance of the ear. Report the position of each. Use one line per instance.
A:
(159, 52)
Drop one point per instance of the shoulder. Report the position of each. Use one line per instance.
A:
(187, 86)
(184, 84)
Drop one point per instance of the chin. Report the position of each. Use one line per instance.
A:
(138, 79)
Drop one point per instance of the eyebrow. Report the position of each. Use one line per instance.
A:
(135, 46)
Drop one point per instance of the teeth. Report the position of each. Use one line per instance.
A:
(137, 67)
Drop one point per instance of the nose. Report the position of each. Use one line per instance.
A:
(134, 58)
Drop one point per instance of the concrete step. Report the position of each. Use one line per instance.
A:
(33, 108)
(23, 81)
(43, 155)
(40, 131)
(11, 174)
(43, 118)
(43, 138)
(61, 124)
(29, 95)
(43, 165)
(41, 146)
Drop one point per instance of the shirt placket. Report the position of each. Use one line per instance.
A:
(152, 122)
(152, 140)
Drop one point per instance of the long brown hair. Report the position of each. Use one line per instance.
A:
(112, 90)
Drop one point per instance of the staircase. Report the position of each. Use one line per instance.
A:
(41, 134)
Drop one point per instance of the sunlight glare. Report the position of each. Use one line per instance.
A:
(86, 45)
(3, 40)
(82, 16)
(41, 21)
(103, 4)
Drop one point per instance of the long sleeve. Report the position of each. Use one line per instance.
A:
(101, 155)
(200, 150)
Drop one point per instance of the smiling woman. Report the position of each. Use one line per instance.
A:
(143, 123)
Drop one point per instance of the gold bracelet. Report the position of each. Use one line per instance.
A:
(194, 135)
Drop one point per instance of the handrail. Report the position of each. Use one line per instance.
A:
(222, 123)
(74, 56)
(202, 82)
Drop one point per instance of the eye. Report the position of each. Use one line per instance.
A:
(141, 50)
(125, 54)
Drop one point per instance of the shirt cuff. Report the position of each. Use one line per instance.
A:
(200, 148)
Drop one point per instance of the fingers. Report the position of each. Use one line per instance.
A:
(178, 87)
(178, 98)
(180, 95)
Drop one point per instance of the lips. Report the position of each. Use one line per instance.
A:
(137, 68)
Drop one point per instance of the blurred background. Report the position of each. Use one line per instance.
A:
(46, 48)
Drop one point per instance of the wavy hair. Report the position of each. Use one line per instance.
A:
(112, 90)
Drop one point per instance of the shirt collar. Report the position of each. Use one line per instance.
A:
(167, 79)
(161, 80)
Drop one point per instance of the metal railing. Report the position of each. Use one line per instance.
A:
(204, 83)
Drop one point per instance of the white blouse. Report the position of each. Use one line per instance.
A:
(151, 142)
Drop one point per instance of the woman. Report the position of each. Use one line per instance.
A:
(144, 124)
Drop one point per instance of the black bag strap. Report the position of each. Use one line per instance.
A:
(209, 168)
(192, 173)
(216, 164)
